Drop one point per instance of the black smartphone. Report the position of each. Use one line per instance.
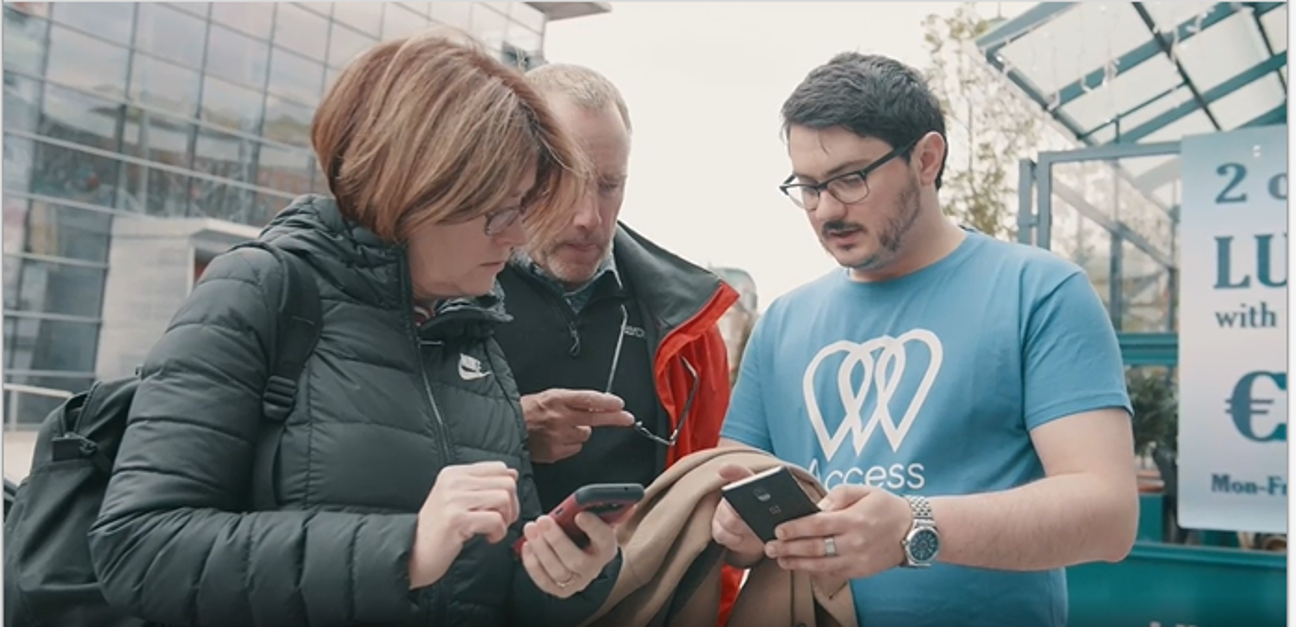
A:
(768, 499)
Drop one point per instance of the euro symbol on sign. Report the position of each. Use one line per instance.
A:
(1243, 407)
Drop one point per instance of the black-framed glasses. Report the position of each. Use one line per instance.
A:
(639, 425)
(848, 188)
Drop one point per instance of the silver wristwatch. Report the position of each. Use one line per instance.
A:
(922, 543)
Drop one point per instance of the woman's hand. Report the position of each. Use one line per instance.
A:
(466, 501)
(556, 564)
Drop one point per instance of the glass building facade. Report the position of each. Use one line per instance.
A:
(168, 110)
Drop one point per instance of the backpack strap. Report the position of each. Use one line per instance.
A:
(299, 323)
(300, 319)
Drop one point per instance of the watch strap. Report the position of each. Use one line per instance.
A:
(922, 520)
(920, 507)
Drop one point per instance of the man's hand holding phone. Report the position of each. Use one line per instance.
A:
(729, 530)
(466, 500)
(754, 509)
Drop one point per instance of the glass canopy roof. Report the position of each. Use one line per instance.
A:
(1143, 72)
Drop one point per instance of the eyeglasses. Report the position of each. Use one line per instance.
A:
(499, 221)
(848, 188)
(688, 408)
(639, 425)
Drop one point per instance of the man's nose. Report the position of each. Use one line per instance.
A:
(587, 216)
(829, 208)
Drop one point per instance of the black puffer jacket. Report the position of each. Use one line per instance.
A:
(383, 407)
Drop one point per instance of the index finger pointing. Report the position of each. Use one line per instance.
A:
(590, 400)
(606, 419)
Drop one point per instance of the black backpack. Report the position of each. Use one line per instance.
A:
(48, 577)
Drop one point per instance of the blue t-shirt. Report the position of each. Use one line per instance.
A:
(968, 355)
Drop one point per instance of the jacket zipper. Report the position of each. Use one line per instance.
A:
(412, 329)
(438, 599)
(442, 431)
(559, 305)
(565, 313)
(570, 317)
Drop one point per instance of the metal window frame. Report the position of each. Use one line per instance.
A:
(51, 374)
(52, 317)
(1041, 171)
(54, 259)
(1034, 227)
(1157, 45)
(155, 111)
(125, 158)
(1149, 349)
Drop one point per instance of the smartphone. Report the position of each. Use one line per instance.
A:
(612, 502)
(768, 499)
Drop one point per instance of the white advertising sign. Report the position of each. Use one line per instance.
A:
(1233, 331)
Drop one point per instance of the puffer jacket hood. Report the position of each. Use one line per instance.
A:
(358, 262)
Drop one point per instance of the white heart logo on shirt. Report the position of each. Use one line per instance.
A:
(883, 360)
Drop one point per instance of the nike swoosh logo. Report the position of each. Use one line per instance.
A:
(472, 375)
(470, 368)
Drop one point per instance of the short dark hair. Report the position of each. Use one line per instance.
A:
(871, 96)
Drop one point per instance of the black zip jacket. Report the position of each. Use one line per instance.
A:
(383, 406)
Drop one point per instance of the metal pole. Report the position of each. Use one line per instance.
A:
(1115, 285)
(1025, 209)
(1044, 202)
(13, 412)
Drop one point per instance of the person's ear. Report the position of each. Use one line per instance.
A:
(929, 156)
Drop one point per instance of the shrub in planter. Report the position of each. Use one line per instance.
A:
(1156, 420)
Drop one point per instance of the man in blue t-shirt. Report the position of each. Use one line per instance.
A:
(962, 398)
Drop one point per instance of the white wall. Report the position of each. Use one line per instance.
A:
(150, 272)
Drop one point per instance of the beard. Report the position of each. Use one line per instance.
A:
(550, 259)
(890, 239)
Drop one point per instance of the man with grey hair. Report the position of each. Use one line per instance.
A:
(614, 343)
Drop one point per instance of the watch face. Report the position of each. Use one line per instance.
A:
(923, 545)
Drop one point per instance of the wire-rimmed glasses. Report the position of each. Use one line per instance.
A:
(500, 220)
(639, 425)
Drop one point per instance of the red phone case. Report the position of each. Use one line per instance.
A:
(612, 502)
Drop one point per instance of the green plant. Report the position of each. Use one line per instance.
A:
(988, 128)
(1156, 408)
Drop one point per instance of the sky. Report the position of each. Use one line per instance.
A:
(704, 82)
